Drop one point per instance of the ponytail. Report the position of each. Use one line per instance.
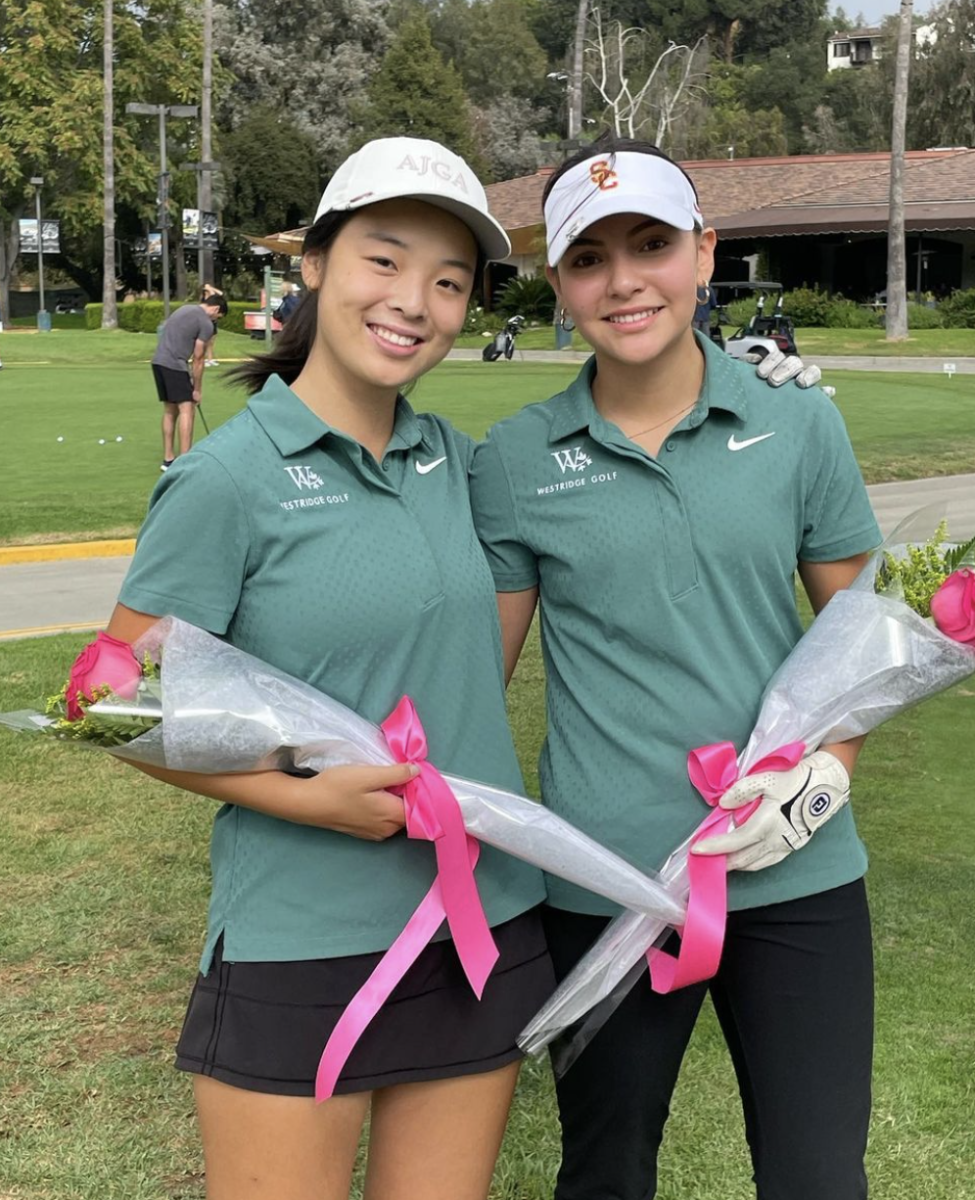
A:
(291, 347)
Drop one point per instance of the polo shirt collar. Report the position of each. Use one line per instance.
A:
(293, 427)
(723, 388)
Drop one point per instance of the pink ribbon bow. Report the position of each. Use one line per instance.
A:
(432, 813)
(712, 770)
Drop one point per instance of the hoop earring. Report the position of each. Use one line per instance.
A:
(706, 289)
(563, 315)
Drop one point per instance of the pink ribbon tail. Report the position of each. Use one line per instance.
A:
(432, 813)
(712, 770)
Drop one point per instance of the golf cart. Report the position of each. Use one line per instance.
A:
(762, 334)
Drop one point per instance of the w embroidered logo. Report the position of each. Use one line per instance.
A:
(305, 477)
(603, 175)
(575, 459)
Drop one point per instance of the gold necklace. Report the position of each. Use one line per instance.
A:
(651, 428)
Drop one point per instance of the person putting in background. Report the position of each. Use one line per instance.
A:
(657, 511)
(206, 292)
(177, 367)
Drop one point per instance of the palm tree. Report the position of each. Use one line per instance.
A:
(896, 250)
(575, 76)
(109, 312)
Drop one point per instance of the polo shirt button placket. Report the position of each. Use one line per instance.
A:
(671, 445)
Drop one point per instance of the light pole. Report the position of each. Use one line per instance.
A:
(202, 169)
(37, 182)
(162, 111)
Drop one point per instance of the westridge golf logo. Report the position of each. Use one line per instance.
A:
(305, 477)
(575, 459)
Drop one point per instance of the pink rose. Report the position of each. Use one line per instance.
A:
(953, 606)
(104, 662)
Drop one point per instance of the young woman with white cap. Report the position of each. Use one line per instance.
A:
(657, 511)
(327, 530)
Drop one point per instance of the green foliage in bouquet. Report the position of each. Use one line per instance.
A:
(103, 729)
(915, 578)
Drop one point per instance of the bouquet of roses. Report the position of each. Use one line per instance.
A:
(903, 631)
(185, 700)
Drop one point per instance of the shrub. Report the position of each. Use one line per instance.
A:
(845, 314)
(740, 311)
(807, 306)
(529, 295)
(919, 316)
(145, 316)
(958, 310)
(478, 321)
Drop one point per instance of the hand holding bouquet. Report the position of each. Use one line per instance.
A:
(199, 704)
(903, 631)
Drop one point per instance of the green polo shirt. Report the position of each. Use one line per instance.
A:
(667, 597)
(366, 580)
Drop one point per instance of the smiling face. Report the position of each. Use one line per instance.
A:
(629, 282)
(392, 295)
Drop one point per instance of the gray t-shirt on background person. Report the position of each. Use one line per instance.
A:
(179, 335)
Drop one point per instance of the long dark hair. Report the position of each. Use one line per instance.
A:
(609, 143)
(291, 347)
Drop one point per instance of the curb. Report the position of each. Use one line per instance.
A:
(11, 555)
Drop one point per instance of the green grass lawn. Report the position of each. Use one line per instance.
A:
(85, 387)
(103, 884)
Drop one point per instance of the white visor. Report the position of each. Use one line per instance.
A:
(622, 182)
(403, 168)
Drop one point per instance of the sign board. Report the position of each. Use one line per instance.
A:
(949, 369)
(195, 222)
(254, 322)
(28, 236)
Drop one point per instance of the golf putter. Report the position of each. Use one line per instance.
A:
(199, 409)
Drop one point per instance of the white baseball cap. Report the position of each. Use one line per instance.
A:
(624, 181)
(403, 168)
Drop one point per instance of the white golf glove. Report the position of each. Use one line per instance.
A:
(793, 805)
(777, 368)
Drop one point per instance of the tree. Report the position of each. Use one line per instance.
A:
(896, 249)
(277, 188)
(109, 313)
(722, 123)
(854, 113)
(506, 138)
(491, 43)
(615, 56)
(414, 93)
(313, 58)
(942, 112)
(51, 82)
(578, 68)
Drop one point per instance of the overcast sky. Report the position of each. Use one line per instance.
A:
(876, 10)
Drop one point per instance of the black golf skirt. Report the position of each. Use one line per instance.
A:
(262, 1026)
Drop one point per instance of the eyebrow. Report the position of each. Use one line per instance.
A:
(652, 223)
(390, 240)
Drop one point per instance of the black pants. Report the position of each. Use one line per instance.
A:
(794, 996)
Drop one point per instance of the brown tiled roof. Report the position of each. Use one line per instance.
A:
(809, 192)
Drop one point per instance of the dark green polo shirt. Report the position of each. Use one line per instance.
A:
(667, 597)
(366, 580)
